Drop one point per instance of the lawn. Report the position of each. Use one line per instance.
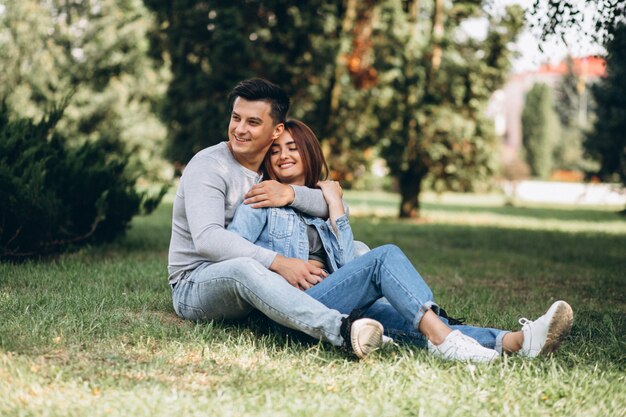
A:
(93, 333)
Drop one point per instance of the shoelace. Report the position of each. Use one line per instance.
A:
(524, 321)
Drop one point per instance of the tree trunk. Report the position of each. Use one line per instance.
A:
(437, 35)
(410, 188)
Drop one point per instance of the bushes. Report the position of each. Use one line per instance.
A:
(54, 196)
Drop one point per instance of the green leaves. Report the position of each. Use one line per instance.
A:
(56, 196)
(607, 141)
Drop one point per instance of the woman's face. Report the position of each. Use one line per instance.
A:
(286, 161)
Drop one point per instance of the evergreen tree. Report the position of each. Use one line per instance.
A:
(213, 45)
(56, 196)
(568, 104)
(540, 130)
(98, 49)
(607, 141)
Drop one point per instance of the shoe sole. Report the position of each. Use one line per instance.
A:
(373, 342)
(559, 328)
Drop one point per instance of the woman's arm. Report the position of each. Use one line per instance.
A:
(333, 194)
(342, 238)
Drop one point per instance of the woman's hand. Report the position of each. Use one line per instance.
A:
(333, 194)
(332, 191)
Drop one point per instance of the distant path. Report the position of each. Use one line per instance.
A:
(567, 193)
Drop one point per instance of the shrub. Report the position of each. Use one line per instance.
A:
(55, 196)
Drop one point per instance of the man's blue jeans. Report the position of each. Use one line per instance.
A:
(386, 272)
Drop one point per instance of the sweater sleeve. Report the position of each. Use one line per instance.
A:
(204, 189)
(310, 201)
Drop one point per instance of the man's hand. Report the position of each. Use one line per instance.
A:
(269, 193)
(297, 272)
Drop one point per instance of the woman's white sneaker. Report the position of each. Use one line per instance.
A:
(457, 346)
(544, 335)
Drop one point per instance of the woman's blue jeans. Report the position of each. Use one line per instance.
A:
(386, 272)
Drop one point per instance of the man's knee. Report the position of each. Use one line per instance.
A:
(244, 269)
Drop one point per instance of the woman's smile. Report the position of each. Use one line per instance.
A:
(286, 160)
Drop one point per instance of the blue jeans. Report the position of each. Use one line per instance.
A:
(230, 290)
(386, 272)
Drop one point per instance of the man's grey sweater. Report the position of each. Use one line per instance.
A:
(210, 189)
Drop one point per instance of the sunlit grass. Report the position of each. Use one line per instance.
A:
(93, 333)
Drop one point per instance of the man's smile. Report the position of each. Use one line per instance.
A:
(239, 139)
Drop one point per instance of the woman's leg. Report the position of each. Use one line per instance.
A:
(402, 330)
(385, 272)
(382, 272)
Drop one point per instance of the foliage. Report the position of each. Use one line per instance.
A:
(574, 106)
(98, 49)
(56, 196)
(607, 141)
(360, 73)
(556, 17)
(540, 130)
(432, 93)
(215, 44)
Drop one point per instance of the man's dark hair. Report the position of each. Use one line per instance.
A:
(258, 89)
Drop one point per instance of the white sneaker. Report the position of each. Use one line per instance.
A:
(366, 335)
(544, 335)
(457, 346)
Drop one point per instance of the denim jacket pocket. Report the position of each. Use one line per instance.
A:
(281, 223)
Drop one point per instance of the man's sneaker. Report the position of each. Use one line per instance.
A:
(361, 336)
(544, 335)
(457, 346)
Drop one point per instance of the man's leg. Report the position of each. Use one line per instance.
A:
(231, 289)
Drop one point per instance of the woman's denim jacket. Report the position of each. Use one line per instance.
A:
(284, 230)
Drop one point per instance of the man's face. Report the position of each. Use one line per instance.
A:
(251, 131)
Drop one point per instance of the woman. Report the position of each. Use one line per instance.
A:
(356, 284)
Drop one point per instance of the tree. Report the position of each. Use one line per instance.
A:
(56, 196)
(571, 104)
(607, 140)
(98, 49)
(434, 84)
(557, 17)
(213, 45)
(362, 74)
(540, 130)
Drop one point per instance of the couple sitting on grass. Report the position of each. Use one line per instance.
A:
(288, 250)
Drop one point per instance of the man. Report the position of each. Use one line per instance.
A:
(216, 274)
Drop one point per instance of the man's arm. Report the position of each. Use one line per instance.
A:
(274, 194)
(204, 192)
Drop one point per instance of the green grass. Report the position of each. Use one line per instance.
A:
(93, 333)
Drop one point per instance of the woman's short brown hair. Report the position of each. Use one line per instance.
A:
(315, 167)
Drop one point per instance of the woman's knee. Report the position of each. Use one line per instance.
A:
(391, 250)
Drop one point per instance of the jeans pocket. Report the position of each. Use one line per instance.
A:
(190, 313)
